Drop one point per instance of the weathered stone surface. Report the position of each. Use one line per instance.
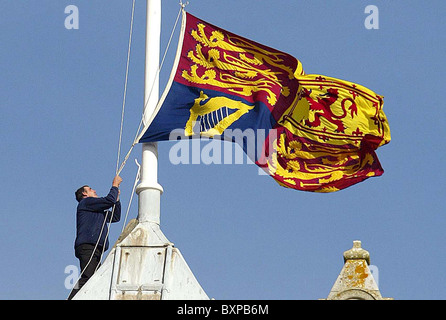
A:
(355, 281)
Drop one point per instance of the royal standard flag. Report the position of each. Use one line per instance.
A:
(309, 132)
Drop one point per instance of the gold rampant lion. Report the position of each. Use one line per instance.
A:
(214, 115)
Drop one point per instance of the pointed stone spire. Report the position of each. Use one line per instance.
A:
(355, 282)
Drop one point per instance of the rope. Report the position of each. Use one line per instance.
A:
(91, 257)
(183, 4)
(125, 84)
(136, 140)
(122, 122)
(118, 156)
(131, 197)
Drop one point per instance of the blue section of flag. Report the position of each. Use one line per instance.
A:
(176, 111)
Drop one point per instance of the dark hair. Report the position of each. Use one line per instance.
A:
(79, 193)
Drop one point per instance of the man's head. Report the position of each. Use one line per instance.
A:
(85, 192)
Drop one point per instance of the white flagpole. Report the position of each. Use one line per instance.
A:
(149, 190)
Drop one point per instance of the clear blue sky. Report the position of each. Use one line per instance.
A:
(243, 235)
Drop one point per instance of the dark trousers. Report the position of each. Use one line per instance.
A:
(84, 252)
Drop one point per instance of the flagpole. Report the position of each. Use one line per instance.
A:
(149, 190)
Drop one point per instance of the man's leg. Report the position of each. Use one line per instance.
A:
(88, 262)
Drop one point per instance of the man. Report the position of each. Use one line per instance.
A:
(93, 214)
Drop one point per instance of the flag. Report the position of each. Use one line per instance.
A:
(309, 132)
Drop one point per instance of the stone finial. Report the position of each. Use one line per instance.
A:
(355, 281)
(356, 253)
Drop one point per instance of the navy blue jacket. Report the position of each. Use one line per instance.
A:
(90, 216)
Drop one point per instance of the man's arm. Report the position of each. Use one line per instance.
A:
(116, 212)
(117, 208)
(104, 203)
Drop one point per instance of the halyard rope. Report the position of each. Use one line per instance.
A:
(135, 141)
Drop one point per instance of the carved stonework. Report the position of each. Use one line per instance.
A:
(355, 282)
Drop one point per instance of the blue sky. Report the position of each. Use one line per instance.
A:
(243, 236)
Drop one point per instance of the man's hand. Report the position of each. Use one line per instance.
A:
(117, 181)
